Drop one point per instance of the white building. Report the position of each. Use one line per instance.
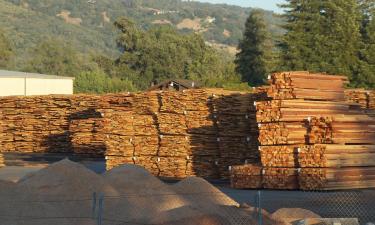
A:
(20, 83)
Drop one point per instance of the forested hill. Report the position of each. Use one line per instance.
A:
(88, 24)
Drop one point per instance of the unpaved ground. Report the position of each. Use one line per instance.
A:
(63, 193)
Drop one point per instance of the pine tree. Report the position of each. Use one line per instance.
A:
(322, 36)
(254, 60)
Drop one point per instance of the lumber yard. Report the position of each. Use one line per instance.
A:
(303, 131)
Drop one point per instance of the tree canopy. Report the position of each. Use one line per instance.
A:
(161, 53)
(6, 50)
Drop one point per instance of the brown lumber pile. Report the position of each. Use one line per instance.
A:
(246, 176)
(342, 130)
(86, 136)
(336, 156)
(305, 85)
(307, 125)
(255, 177)
(337, 178)
(360, 96)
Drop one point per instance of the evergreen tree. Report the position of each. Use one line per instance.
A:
(322, 36)
(253, 60)
(6, 52)
(366, 76)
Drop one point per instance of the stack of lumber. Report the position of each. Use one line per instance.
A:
(86, 136)
(234, 114)
(246, 176)
(337, 178)
(342, 129)
(336, 156)
(360, 96)
(2, 161)
(173, 134)
(308, 86)
(307, 127)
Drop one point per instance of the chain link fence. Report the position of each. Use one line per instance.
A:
(206, 208)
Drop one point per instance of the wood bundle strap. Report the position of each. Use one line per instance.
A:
(342, 130)
(282, 133)
(297, 110)
(336, 178)
(298, 85)
(323, 155)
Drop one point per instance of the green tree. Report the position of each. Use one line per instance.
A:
(161, 53)
(6, 51)
(366, 76)
(55, 57)
(98, 82)
(254, 59)
(322, 36)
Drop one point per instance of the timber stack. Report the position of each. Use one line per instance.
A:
(309, 137)
(190, 133)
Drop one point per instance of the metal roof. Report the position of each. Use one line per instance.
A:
(16, 74)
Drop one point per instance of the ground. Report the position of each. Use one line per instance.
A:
(332, 204)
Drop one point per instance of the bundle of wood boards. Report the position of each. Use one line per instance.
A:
(308, 125)
(336, 178)
(256, 176)
(360, 96)
(297, 110)
(86, 136)
(346, 129)
(305, 85)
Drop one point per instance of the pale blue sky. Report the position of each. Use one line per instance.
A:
(264, 4)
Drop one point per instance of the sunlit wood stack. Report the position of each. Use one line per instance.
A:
(246, 176)
(342, 129)
(308, 86)
(337, 156)
(308, 125)
(336, 178)
(86, 136)
(360, 96)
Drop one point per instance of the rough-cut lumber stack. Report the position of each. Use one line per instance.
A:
(347, 129)
(86, 136)
(307, 126)
(305, 85)
(332, 155)
(360, 96)
(174, 134)
(337, 178)
(246, 176)
(2, 161)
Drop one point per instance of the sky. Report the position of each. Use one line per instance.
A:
(263, 4)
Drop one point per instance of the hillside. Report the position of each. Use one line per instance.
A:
(88, 24)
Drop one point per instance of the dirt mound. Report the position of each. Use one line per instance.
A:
(199, 191)
(289, 215)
